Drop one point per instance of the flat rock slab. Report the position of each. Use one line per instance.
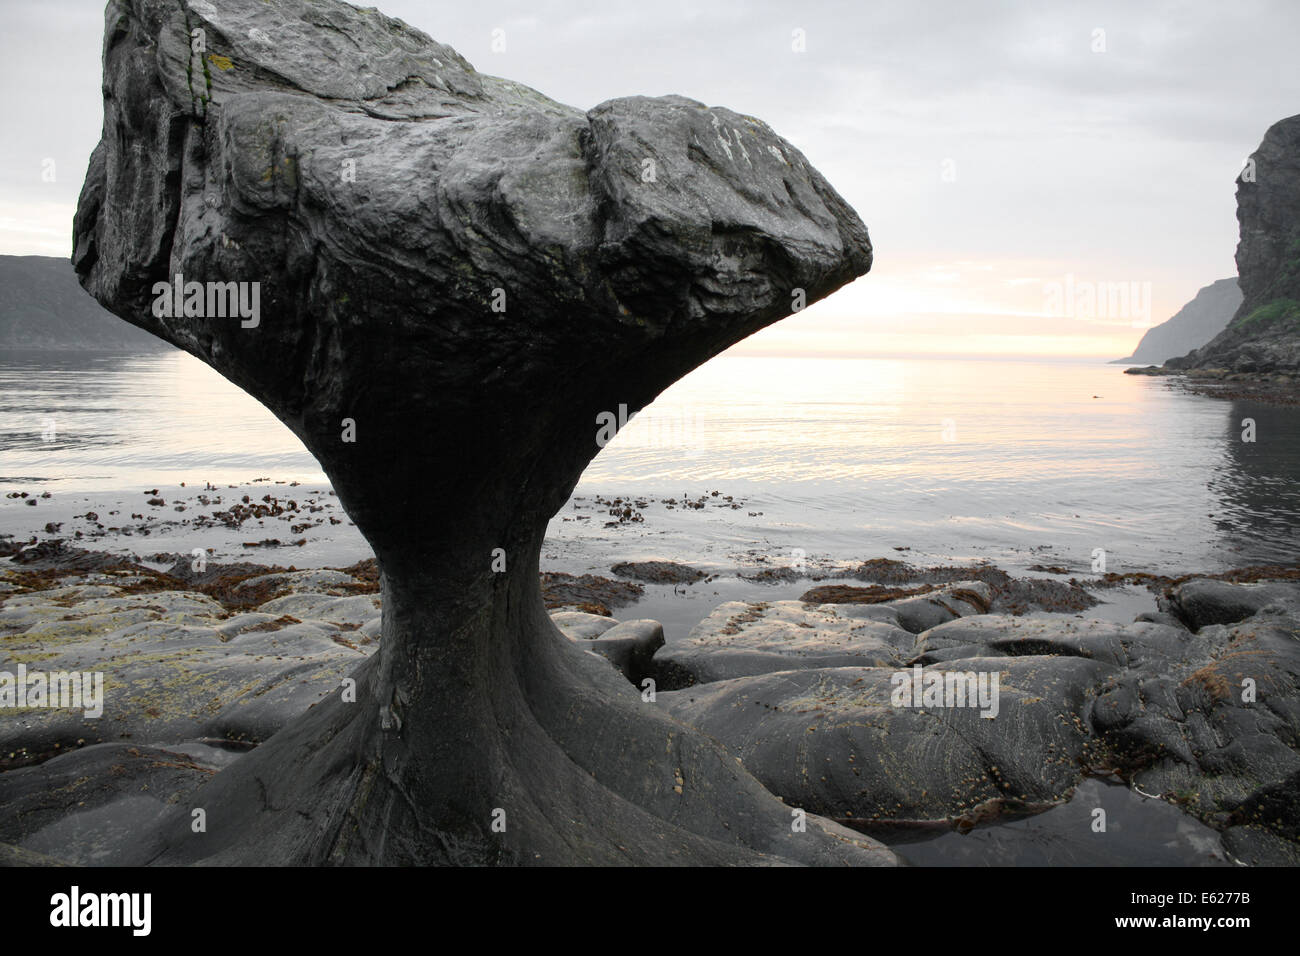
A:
(175, 665)
(742, 638)
(325, 580)
(1011, 636)
(84, 806)
(345, 612)
(178, 666)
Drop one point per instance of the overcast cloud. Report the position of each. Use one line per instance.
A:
(990, 150)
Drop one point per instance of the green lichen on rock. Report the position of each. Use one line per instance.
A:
(1279, 312)
(195, 99)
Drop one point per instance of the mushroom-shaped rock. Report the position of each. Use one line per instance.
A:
(444, 282)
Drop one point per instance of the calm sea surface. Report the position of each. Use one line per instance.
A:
(1013, 461)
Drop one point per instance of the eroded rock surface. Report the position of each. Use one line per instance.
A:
(1207, 717)
(754, 637)
(457, 278)
(179, 666)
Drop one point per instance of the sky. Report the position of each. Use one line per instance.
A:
(1038, 178)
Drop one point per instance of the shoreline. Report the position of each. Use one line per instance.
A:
(728, 548)
(634, 585)
(742, 535)
(268, 526)
(207, 664)
(1268, 388)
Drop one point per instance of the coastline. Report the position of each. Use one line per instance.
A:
(268, 526)
(206, 664)
(710, 593)
(1268, 388)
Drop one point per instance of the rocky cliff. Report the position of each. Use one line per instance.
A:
(1191, 326)
(1264, 334)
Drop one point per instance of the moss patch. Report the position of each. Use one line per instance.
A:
(1279, 312)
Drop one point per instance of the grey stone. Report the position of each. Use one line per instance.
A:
(961, 599)
(581, 625)
(1207, 720)
(742, 638)
(832, 742)
(1205, 601)
(630, 646)
(1264, 334)
(626, 244)
(87, 805)
(174, 666)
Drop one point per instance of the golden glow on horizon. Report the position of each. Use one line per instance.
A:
(776, 341)
(953, 307)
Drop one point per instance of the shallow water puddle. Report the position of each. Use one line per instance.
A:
(1140, 831)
